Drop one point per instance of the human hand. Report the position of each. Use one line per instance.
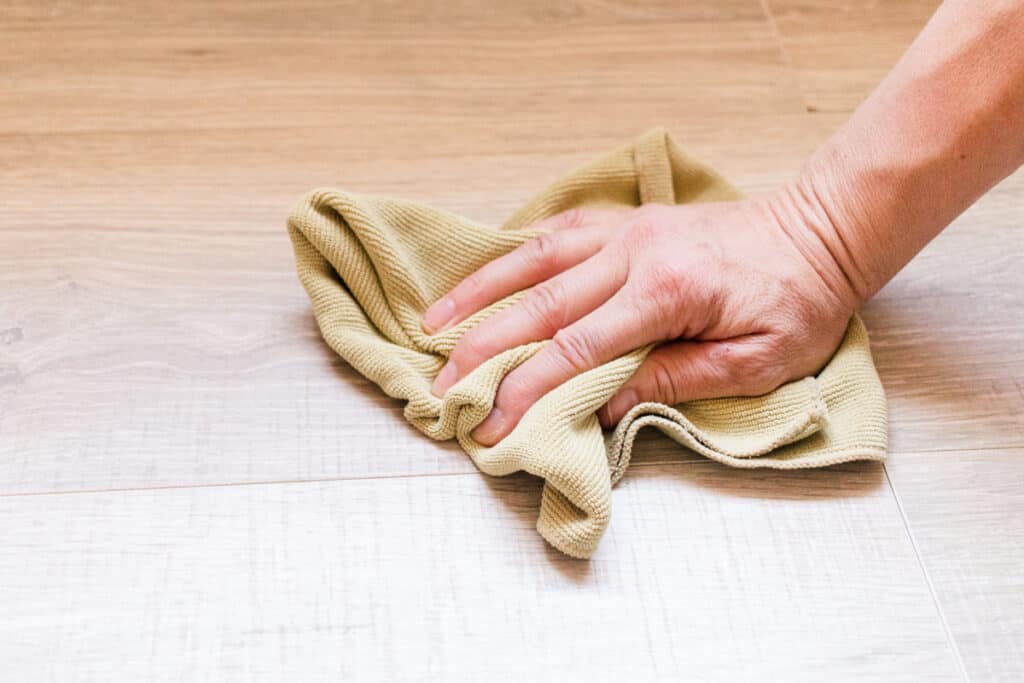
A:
(746, 295)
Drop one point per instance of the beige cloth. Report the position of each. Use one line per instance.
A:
(372, 266)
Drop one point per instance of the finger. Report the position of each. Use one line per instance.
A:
(609, 331)
(690, 370)
(533, 261)
(540, 314)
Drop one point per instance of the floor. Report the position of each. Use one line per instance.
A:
(192, 487)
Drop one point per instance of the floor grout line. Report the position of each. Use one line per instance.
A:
(262, 482)
(318, 480)
(973, 449)
(950, 638)
(657, 462)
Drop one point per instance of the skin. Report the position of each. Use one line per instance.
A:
(745, 296)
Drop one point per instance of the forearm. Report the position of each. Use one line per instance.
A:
(944, 127)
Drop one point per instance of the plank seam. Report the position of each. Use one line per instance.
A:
(928, 579)
(787, 59)
(274, 482)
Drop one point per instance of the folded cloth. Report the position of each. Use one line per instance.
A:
(373, 265)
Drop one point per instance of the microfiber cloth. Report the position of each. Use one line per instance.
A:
(372, 266)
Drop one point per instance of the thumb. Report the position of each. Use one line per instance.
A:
(690, 370)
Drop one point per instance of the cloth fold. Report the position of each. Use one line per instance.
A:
(372, 266)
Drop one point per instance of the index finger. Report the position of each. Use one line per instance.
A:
(535, 260)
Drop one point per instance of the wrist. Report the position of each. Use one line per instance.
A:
(839, 226)
(812, 227)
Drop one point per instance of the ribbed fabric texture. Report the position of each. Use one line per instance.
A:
(373, 265)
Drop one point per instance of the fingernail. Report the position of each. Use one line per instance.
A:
(445, 379)
(438, 315)
(491, 430)
(621, 403)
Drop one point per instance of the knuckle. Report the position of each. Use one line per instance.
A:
(544, 303)
(542, 251)
(514, 392)
(761, 373)
(468, 349)
(571, 218)
(664, 381)
(575, 348)
(665, 284)
(785, 302)
(641, 230)
(472, 285)
(762, 384)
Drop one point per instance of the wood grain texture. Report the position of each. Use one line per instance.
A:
(948, 333)
(159, 292)
(153, 336)
(841, 49)
(138, 359)
(191, 182)
(964, 510)
(518, 67)
(444, 578)
(142, 359)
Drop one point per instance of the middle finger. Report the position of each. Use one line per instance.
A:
(545, 309)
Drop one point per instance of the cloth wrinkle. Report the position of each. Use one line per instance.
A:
(371, 266)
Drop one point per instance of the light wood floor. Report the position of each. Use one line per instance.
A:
(192, 487)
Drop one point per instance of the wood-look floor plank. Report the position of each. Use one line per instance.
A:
(842, 49)
(705, 574)
(236, 67)
(156, 334)
(152, 334)
(153, 360)
(966, 512)
(132, 360)
(241, 181)
(948, 333)
(317, 17)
